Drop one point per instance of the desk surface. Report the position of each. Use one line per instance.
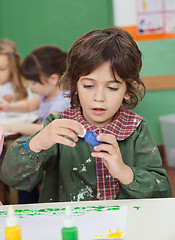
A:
(152, 219)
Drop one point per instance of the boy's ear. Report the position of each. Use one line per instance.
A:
(54, 79)
(127, 96)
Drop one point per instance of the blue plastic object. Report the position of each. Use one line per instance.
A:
(90, 137)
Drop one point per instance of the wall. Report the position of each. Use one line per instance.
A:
(158, 60)
(60, 22)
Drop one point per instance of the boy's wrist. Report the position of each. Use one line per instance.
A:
(33, 146)
(127, 175)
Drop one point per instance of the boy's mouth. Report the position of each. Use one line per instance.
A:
(98, 110)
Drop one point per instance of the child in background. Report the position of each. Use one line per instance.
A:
(1, 146)
(43, 68)
(102, 76)
(1, 138)
(12, 84)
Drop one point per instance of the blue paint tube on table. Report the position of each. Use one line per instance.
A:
(90, 137)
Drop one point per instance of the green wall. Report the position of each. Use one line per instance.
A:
(60, 22)
(158, 59)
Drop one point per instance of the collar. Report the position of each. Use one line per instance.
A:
(125, 122)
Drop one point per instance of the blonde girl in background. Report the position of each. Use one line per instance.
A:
(1, 138)
(13, 88)
(12, 83)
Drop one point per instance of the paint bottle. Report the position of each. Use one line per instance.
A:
(12, 230)
(69, 231)
(90, 137)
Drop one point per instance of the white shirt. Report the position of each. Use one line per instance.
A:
(5, 89)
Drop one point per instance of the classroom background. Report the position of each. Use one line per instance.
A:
(33, 23)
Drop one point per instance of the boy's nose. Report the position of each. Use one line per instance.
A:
(99, 95)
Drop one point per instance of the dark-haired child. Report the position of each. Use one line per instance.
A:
(102, 76)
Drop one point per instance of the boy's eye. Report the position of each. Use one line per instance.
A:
(113, 88)
(88, 86)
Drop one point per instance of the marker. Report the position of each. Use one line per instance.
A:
(13, 230)
(90, 137)
(69, 231)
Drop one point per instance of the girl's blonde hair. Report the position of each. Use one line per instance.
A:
(8, 48)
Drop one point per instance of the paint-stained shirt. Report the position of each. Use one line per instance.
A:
(70, 174)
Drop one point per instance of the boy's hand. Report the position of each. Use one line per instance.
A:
(58, 131)
(111, 157)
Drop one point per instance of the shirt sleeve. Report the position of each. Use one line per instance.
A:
(22, 168)
(63, 104)
(150, 179)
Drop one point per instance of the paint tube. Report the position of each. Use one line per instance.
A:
(12, 230)
(69, 231)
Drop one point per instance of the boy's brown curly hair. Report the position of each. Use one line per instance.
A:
(92, 49)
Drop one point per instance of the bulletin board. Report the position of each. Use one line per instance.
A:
(155, 20)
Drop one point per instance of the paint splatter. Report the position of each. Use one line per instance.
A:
(20, 169)
(14, 145)
(116, 234)
(158, 181)
(85, 191)
(88, 160)
(56, 211)
(152, 150)
(83, 168)
(136, 207)
(26, 146)
(101, 236)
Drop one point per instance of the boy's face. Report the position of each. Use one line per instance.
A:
(5, 72)
(100, 95)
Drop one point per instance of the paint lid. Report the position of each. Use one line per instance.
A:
(82, 136)
(68, 220)
(11, 219)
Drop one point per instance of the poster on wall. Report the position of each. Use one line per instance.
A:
(155, 17)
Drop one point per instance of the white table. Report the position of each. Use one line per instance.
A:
(147, 219)
(9, 118)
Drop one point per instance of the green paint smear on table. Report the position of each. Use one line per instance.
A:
(136, 207)
(60, 211)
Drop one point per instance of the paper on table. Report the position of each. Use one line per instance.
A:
(92, 223)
